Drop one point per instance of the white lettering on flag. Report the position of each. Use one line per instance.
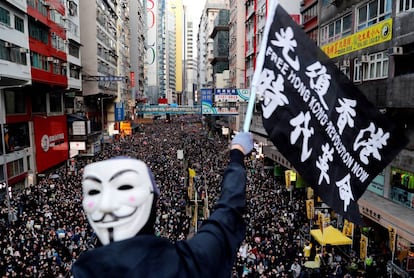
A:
(322, 163)
(301, 124)
(346, 113)
(272, 89)
(319, 80)
(345, 192)
(371, 144)
(285, 40)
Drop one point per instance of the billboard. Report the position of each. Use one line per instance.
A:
(375, 34)
(51, 141)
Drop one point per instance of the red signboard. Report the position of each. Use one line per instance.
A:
(51, 141)
(132, 78)
(162, 101)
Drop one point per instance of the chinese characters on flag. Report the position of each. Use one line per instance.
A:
(333, 136)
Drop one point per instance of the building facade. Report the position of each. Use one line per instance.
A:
(40, 73)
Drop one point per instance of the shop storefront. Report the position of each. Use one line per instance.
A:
(402, 187)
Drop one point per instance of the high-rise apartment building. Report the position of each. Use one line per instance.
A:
(205, 44)
(40, 72)
(137, 26)
(237, 72)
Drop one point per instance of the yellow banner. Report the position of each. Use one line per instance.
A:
(348, 228)
(375, 34)
(290, 176)
(363, 246)
(310, 209)
(191, 172)
(392, 235)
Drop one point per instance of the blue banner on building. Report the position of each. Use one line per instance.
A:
(119, 111)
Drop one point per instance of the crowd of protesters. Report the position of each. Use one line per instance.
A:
(48, 230)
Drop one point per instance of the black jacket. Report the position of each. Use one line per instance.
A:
(210, 253)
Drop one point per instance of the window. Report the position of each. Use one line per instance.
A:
(16, 137)
(15, 168)
(55, 103)
(39, 102)
(377, 66)
(405, 5)
(73, 8)
(15, 102)
(373, 12)
(310, 13)
(18, 24)
(341, 27)
(357, 70)
(373, 66)
(402, 186)
(13, 54)
(4, 16)
(38, 33)
(39, 61)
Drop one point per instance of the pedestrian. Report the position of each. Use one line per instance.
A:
(296, 269)
(120, 198)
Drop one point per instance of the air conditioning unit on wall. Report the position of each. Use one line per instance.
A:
(364, 58)
(345, 63)
(396, 50)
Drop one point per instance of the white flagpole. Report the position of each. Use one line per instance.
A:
(259, 65)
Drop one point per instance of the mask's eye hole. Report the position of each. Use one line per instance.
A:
(93, 192)
(125, 187)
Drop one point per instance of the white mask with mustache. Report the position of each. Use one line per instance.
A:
(117, 197)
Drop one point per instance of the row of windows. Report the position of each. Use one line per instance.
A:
(48, 64)
(38, 5)
(7, 19)
(366, 15)
(13, 53)
(405, 5)
(374, 66)
(42, 102)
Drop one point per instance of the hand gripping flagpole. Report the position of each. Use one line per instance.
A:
(258, 69)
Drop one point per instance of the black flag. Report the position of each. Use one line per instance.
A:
(318, 119)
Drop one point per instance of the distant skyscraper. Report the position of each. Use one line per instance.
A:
(151, 66)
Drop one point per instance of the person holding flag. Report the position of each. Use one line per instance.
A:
(119, 199)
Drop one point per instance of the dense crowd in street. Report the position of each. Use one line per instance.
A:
(48, 230)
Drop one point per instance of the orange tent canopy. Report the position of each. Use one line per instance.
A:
(330, 236)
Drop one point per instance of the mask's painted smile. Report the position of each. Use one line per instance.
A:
(111, 217)
(117, 197)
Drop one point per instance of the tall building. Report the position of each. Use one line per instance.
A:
(205, 44)
(40, 81)
(190, 64)
(151, 87)
(309, 12)
(220, 59)
(170, 57)
(125, 102)
(137, 26)
(237, 70)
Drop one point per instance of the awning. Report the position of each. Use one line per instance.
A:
(330, 236)
(73, 118)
